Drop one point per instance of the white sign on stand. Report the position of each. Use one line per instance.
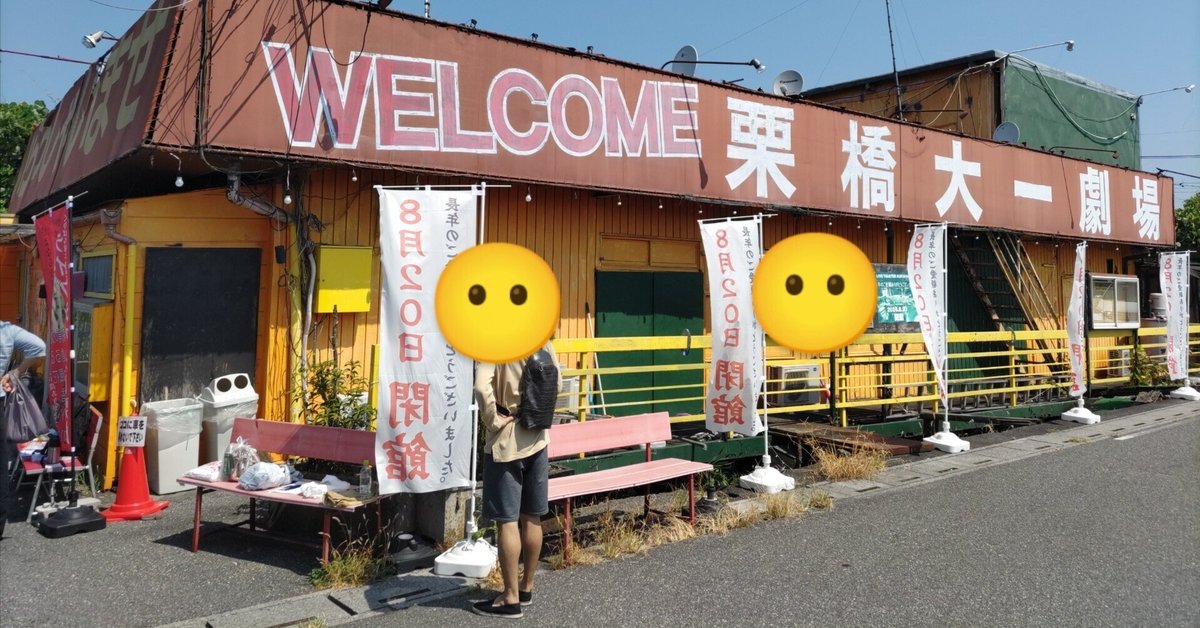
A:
(131, 431)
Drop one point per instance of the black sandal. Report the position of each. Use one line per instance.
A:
(488, 608)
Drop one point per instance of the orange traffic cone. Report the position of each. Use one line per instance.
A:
(133, 493)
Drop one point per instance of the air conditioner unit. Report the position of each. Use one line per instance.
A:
(794, 385)
(568, 399)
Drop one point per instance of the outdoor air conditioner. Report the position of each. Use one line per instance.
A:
(568, 400)
(794, 385)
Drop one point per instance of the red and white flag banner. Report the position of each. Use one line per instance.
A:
(1075, 331)
(53, 231)
(732, 250)
(423, 427)
(927, 279)
(1173, 280)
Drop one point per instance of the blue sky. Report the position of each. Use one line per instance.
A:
(1137, 47)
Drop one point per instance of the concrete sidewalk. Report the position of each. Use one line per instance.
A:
(144, 574)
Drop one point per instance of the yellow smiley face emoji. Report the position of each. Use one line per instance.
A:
(814, 292)
(497, 302)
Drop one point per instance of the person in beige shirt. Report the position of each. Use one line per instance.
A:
(515, 477)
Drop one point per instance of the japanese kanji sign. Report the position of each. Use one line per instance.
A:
(927, 279)
(53, 231)
(732, 249)
(1075, 322)
(415, 94)
(1173, 279)
(423, 429)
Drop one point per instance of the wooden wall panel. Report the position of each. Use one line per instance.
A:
(973, 92)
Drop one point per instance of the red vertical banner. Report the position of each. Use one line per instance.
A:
(54, 250)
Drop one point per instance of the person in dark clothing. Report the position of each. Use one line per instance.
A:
(13, 339)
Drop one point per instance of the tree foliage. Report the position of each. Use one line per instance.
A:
(17, 121)
(1187, 224)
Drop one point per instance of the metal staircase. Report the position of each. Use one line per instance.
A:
(1007, 283)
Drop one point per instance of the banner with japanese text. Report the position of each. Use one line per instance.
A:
(53, 232)
(1075, 329)
(423, 427)
(1173, 281)
(927, 279)
(733, 249)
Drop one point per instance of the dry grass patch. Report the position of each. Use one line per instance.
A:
(860, 463)
(820, 500)
(669, 530)
(579, 556)
(727, 519)
(618, 535)
(354, 565)
(781, 505)
(1077, 439)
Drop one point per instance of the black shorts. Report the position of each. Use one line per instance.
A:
(517, 487)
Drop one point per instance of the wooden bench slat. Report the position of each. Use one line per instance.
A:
(307, 441)
(629, 476)
(568, 439)
(270, 495)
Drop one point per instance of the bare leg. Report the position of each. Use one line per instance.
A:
(508, 541)
(531, 547)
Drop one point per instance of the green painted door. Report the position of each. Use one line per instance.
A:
(649, 304)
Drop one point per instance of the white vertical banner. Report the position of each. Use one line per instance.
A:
(1075, 333)
(423, 426)
(733, 249)
(1173, 271)
(927, 279)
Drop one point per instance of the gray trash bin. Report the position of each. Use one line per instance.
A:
(172, 442)
(226, 398)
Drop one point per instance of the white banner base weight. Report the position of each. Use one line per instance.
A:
(767, 480)
(948, 442)
(1186, 393)
(470, 559)
(1081, 414)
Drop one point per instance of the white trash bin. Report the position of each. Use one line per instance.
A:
(226, 398)
(172, 442)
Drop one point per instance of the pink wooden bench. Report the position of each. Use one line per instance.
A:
(571, 439)
(292, 439)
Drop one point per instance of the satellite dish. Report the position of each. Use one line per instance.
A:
(1007, 133)
(788, 83)
(685, 60)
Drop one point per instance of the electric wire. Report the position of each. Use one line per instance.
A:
(113, 6)
(737, 37)
(833, 52)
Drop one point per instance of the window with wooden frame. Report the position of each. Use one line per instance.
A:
(98, 268)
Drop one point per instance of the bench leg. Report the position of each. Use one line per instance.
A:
(646, 504)
(692, 500)
(253, 505)
(196, 521)
(325, 538)
(567, 533)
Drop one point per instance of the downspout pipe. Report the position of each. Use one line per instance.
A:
(110, 218)
(260, 207)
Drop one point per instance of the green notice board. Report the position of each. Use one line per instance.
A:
(895, 308)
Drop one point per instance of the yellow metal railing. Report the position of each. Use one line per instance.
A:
(888, 372)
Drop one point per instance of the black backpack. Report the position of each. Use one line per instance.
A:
(539, 391)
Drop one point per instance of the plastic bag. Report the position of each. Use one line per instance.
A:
(209, 472)
(240, 456)
(263, 475)
(22, 414)
(335, 483)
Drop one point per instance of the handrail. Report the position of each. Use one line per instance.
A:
(1002, 370)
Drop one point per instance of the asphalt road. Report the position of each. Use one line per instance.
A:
(1101, 534)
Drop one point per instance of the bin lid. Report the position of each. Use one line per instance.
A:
(228, 389)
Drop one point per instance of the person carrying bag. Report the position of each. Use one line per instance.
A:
(13, 338)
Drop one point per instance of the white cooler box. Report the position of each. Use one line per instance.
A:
(172, 442)
(226, 398)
